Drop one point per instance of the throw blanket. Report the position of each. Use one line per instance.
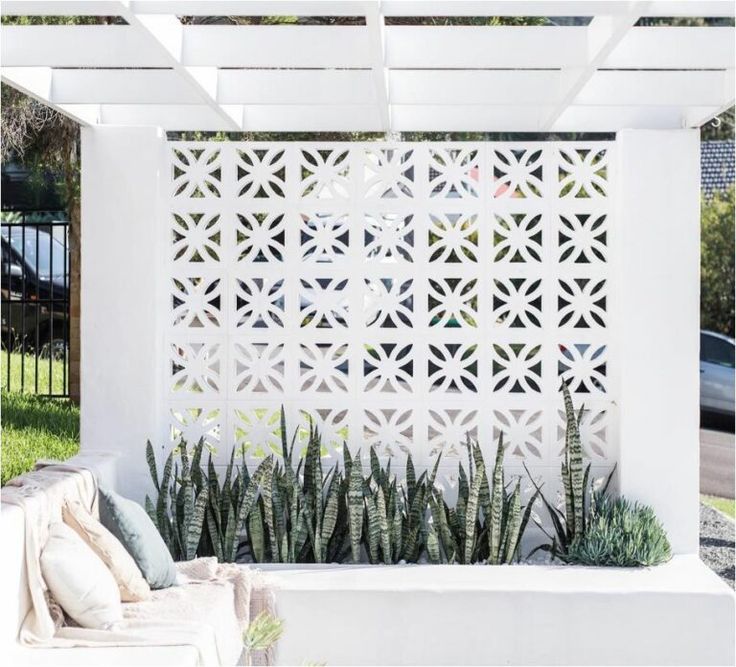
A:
(205, 584)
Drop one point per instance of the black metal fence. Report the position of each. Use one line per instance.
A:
(35, 302)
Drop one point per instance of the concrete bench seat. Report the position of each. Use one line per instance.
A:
(680, 613)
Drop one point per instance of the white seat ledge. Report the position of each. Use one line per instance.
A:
(676, 614)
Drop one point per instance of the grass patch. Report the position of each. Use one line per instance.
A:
(725, 505)
(36, 427)
(51, 376)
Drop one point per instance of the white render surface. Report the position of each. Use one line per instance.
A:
(679, 613)
(601, 77)
(658, 210)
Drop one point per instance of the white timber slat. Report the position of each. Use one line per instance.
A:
(121, 86)
(478, 118)
(306, 86)
(254, 7)
(277, 46)
(36, 83)
(441, 47)
(62, 7)
(489, 87)
(78, 46)
(312, 118)
(552, 8)
(612, 119)
(674, 48)
(645, 88)
(714, 8)
(170, 116)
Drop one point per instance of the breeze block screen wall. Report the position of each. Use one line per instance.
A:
(402, 295)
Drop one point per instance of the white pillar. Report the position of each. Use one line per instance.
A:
(658, 250)
(119, 332)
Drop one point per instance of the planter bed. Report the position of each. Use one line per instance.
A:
(675, 614)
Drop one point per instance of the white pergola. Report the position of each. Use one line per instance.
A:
(601, 77)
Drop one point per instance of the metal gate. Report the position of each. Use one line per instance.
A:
(35, 302)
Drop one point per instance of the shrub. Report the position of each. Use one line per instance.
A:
(620, 533)
(717, 263)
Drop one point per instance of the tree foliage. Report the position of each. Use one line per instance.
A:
(717, 263)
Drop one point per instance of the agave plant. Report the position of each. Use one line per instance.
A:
(571, 523)
(180, 523)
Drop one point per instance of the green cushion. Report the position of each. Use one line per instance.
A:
(128, 521)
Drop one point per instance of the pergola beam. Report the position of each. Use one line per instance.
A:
(604, 33)
(376, 29)
(167, 32)
(551, 8)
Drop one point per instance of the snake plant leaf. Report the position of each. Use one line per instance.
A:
(463, 488)
(151, 510)
(279, 516)
(230, 547)
(576, 461)
(355, 503)
(494, 534)
(196, 466)
(286, 455)
(397, 530)
(433, 545)
(374, 528)
(267, 497)
(514, 525)
(383, 525)
(525, 520)
(161, 505)
(411, 479)
(151, 459)
(256, 534)
(194, 528)
(471, 513)
(250, 497)
(375, 466)
(433, 475)
(330, 518)
(216, 536)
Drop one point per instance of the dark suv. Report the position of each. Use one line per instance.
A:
(35, 288)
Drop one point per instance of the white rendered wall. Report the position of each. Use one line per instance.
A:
(119, 360)
(659, 260)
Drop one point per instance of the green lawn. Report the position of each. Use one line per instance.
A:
(725, 505)
(34, 427)
(23, 367)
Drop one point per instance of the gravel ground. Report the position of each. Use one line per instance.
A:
(717, 543)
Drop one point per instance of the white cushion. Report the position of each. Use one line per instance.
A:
(79, 581)
(133, 587)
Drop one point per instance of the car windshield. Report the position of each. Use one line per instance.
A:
(50, 251)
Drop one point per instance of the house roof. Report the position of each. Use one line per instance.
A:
(716, 166)
(600, 74)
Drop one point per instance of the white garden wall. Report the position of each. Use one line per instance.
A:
(401, 295)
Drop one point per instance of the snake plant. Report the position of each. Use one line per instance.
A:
(571, 523)
(487, 522)
(182, 500)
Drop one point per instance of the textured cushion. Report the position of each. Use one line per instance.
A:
(129, 522)
(133, 587)
(78, 580)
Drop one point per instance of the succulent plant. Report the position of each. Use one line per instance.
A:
(620, 533)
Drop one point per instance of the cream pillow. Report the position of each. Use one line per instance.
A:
(133, 587)
(79, 581)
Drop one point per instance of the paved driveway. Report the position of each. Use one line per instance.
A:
(717, 463)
